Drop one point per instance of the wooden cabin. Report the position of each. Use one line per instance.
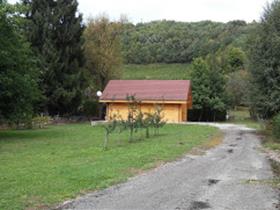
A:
(175, 96)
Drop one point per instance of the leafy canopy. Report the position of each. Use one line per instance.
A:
(18, 73)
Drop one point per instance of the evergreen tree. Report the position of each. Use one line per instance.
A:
(200, 87)
(208, 89)
(218, 98)
(264, 57)
(18, 74)
(55, 32)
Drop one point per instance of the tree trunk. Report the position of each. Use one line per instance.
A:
(131, 135)
(214, 118)
(200, 116)
(106, 141)
(100, 111)
(147, 133)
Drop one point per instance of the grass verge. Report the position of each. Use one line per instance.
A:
(157, 71)
(40, 168)
(242, 116)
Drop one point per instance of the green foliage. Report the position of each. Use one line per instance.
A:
(156, 119)
(136, 120)
(208, 88)
(54, 30)
(109, 127)
(18, 73)
(147, 123)
(264, 53)
(218, 98)
(134, 117)
(181, 42)
(235, 59)
(241, 115)
(200, 83)
(237, 88)
(276, 126)
(90, 107)
(102, 54)
(102, 51)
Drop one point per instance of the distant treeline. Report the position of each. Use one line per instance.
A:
(180, 42)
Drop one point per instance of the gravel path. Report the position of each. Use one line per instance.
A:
(217, 180)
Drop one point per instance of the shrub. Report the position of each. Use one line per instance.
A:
(40, 121)
(147, 123)
(157, 119)
(136, 120)
(109, 127)
(90, 108)
(133, 118)
(276, 126)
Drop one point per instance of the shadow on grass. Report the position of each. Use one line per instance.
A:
(28, 134)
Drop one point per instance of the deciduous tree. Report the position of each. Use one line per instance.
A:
(102, 51)
(18, 74)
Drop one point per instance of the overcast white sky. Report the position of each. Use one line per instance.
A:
(179, 10)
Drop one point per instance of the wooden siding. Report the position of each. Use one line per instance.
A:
(173, 113)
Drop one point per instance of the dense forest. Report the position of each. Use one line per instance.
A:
(181, 42)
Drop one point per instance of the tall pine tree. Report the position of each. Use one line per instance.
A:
(208, 88)
(55, 31)
(265, 63)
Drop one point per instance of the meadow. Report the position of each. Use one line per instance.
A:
(42, 167)
(156, 71)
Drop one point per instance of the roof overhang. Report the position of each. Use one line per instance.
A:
(145, 101)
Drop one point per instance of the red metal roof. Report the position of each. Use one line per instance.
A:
(168, 90)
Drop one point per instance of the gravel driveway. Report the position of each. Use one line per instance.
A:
(218, 180)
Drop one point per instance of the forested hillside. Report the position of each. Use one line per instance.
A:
(180, 42)
(67, 60)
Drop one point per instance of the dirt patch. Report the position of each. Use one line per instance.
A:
(213, 142)
(197, 151)
(135, 171)
(196, 205)
(35, 202)
(138, 171)
(275, 167)
(212, 181)
(274, 156)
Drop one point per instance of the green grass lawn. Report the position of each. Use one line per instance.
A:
(157, 71)
(40, 168)
(270, 141)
